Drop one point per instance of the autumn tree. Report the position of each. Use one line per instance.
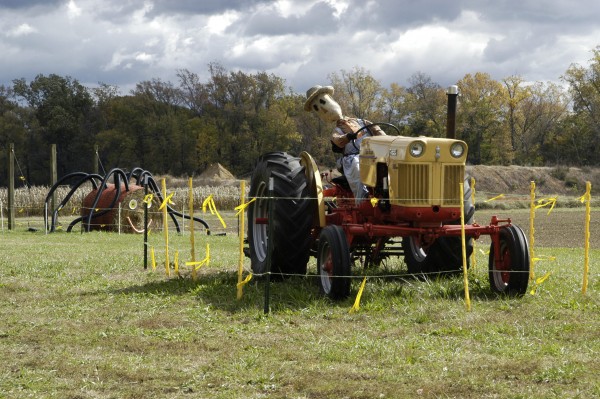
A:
(426, 106)
(581, 138)
(358, 93)
(534, 113)
(395, 108)
(480, 120)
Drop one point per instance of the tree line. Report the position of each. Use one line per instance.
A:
(181, 127)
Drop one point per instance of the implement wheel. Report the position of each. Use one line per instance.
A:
(511, 274)
(333, 262)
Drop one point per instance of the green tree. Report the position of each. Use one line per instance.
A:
(149, 129)
(194, 93)
(15, 124)
(251, 114)
(62, 108)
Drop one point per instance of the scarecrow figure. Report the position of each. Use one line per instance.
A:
(344, 138)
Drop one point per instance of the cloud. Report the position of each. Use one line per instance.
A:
(73, 11)
(195, 7)
(319, 19)
(123, 42)
(28, 4)
(21, 30)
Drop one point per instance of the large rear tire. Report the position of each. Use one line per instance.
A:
(333, 262)
(419, 259)
(511, 275)
(292, 212)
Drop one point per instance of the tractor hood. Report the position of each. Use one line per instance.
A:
(390, 149)
(421, 171)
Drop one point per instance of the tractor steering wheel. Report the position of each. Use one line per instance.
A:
(369, 131)
(378, 124)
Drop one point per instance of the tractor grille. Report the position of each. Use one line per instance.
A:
(427, 184)
(453, 176)
(413, 183)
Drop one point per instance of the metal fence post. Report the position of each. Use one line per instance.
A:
(11, 186)
(269, 245)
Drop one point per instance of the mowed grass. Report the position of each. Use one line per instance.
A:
(81, 318)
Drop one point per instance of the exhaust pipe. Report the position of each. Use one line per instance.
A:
(452, 94)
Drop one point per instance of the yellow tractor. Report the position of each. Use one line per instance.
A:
(414, 186)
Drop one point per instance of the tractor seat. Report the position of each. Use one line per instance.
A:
(341, 181)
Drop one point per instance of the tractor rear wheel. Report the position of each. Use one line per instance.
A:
(511, 274)
(444, 255)
(333, 262)
(417, 256)
(291, 214)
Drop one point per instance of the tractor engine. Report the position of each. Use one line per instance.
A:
(420, 175)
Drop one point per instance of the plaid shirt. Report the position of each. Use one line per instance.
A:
(350, 125)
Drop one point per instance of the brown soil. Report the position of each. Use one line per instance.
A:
(558, 228)
(548, 180)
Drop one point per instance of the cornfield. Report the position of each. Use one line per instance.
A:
(29, 201)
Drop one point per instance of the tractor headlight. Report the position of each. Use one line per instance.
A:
(457, 150)
(416, 148)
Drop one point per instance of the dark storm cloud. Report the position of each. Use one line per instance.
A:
(386, 14)
(24, 4)
(564, 14)
(318, 20)
(203, 7)
(123, 42)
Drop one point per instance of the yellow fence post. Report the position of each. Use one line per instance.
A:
(240, 286)
(587, 197)
(153, 258)
(532, 232)
(473, 256)
(464, 249)
(191, 211)
(165, 226)
(176, 263)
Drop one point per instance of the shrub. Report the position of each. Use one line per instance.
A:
(559, 172)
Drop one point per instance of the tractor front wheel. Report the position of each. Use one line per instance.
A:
(333, 262)
(510, 275)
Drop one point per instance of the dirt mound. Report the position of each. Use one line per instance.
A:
(548, 180)
(216, 175)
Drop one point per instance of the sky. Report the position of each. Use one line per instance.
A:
(124, 42)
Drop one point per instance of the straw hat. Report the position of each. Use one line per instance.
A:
(313, 92)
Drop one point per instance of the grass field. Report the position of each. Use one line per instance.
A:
(81, 318)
